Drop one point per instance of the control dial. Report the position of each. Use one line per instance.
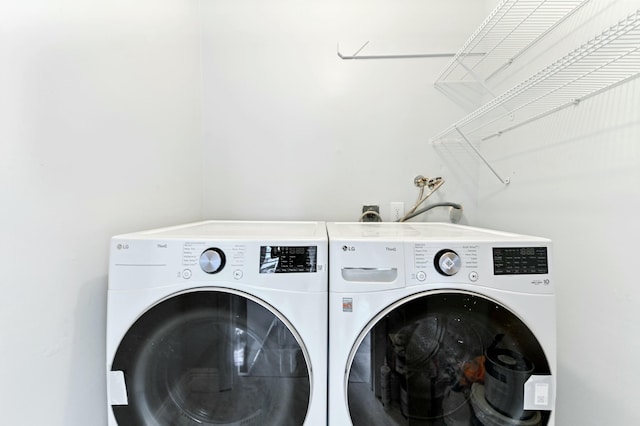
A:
(212, 260)
(447, 262)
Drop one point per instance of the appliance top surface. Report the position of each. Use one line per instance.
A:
(418, 231)
(217, 229)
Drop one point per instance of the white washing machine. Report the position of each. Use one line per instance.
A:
(440, 324)
(218, 323)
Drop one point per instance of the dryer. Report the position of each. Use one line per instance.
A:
(218, 323)
(440, 324)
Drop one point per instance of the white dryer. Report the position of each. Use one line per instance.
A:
(218, 323)
(440, 324)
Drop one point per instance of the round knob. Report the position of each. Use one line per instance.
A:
(447, 262)
(212, 260)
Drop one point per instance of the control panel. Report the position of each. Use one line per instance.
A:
(517, 268)
(272, 259)
(277, 264)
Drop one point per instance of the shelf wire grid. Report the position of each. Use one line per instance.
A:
(606, 61)
(510, 29)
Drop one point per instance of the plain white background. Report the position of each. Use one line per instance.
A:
(99, 135)
(121, 116)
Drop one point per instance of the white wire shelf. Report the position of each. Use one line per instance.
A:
(608, 60)
(511, 29)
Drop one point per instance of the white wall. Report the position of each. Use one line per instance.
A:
(294, 132)
(574, 178)
(99, 134)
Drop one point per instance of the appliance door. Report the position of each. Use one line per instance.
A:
(447, 358)
(213, 357)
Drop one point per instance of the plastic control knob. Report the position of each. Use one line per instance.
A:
(447, 262)
(212, 260)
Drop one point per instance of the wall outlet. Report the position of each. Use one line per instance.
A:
(396, 211)
(372, 217)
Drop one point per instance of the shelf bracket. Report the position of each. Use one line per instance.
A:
(479, 80)
(411, 56)
(506, 181)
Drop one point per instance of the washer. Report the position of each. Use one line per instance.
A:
(218, 323)
(440, 324)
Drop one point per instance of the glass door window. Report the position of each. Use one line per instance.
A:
(444, 358)
(212, 358)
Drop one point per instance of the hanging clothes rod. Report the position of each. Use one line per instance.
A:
(356, 55)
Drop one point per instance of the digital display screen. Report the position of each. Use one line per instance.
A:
(287, 259)
(520, 260)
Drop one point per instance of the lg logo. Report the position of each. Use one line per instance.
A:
(348, 248)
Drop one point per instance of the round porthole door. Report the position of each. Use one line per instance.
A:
(214, 357)
(445, 358)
